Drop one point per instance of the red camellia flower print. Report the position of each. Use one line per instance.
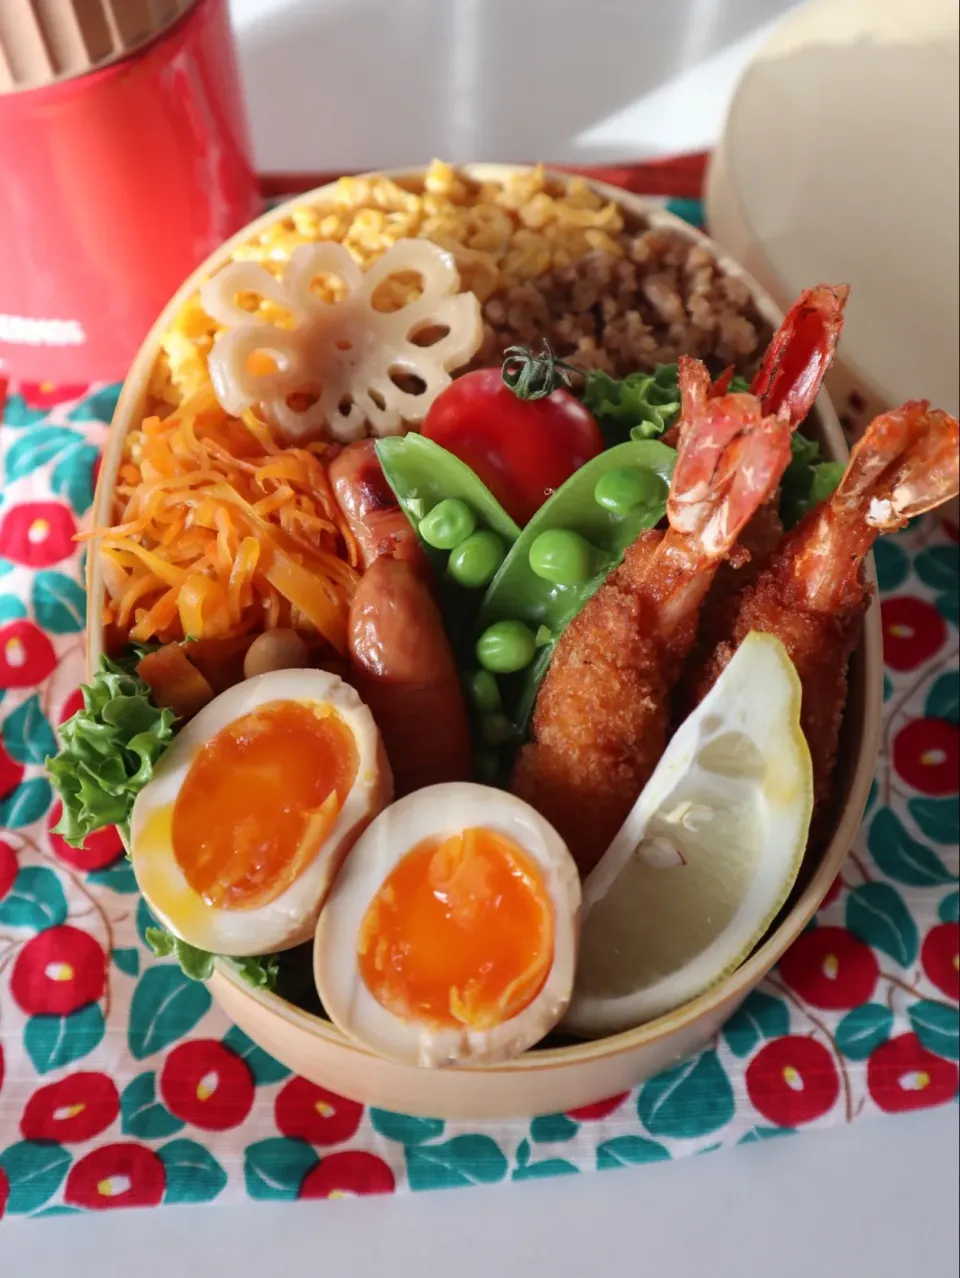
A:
(207, 1084)
(940, 957)
(99, 849)
(121, 1175)
(313, 1114)
(830, 968)
(347, 1174)
(37, 533)
(11, 772)
(72, 1110)
(58, 971)
(8, 868)
(47, 394)
(72, 705)
(793, 1080)
(26, 655)
(926, 753)
(913, 630)
(599, 1109)
(902, 1075)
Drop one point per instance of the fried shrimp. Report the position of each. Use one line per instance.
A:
(601, 719)
(813, 593)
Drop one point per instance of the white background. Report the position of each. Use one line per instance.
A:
(367, 83)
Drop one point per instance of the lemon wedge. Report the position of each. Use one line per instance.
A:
(708, 855)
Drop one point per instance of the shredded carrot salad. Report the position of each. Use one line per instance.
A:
(222, 530)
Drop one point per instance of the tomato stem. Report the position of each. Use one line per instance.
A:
(535, 376)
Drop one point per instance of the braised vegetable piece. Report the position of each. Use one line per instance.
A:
(279, 649)
(174, 682)
(559, 559)
(518, 428)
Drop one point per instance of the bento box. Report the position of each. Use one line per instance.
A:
(561, 1073)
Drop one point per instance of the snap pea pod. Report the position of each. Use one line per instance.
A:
(561, 558)
(465, 531)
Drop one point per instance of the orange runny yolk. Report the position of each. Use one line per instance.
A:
(259, 800)
(459, 933)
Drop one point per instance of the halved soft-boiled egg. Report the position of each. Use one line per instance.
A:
(450, 936)
(238, 836)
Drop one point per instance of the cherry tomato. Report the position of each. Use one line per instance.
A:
(522, 449)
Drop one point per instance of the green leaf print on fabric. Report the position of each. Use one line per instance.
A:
(939, 567)
(405, 1128)
(863, 1029)
(628, 1151)
(939, 819)
(59, 603)
(11, 608)
(275, 1168)
(937, 1025)
(193, 1174)
(26, 804)
(72, 477)
(118, 877)
(465, 1160)
(943, 699)
(98, 406)
(36, 900)
(949, 911)
(764, 1133)
(35, 1171)
(17, 413)
(39, 448)
(54, 1041)
(877, 915)
(525, 1170)
(893, 564)
(689, 1100)
(901, 857)
(760, 1016)
(142, 1115)
(261, 1065)
(127, 960)
(27, 737)
(165, 1006)
(553, 1127)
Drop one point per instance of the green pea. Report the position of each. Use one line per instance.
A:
(450, 522)
(475, 560)
(628, 488)
(563, 557)
(506, 646)
(495, 728)
(484, 692)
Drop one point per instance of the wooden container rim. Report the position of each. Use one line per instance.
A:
(738, 983)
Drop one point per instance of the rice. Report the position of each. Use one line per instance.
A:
(547, 261)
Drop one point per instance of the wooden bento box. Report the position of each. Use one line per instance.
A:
(547, 1079)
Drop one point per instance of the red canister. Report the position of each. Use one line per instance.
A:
(124, 160)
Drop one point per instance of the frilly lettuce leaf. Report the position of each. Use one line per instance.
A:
(260, 972)
(109, 750)
(645, 405)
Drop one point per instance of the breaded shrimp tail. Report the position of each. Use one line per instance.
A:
(600, 724)
(813, 594)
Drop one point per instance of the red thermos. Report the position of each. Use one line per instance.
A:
(124, 160)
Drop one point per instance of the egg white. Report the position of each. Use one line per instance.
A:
(439, 810)
(291, 917)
